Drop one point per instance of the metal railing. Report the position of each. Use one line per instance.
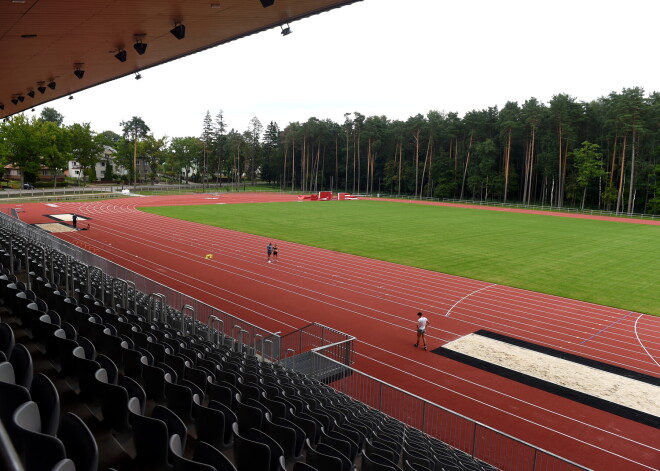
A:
(335, 344)
(479, 440)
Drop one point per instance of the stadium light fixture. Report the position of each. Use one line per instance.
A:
(139, 46)
(179, 31)
(121, 56)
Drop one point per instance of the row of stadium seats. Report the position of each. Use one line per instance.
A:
(174, 401)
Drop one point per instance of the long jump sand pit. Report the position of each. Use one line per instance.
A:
(56, 227)
(622, 392)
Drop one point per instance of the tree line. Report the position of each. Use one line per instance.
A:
(602, 154)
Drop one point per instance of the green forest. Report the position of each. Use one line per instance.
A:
(603, 154)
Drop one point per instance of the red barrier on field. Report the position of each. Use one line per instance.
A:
(325, 195)
(345, 196)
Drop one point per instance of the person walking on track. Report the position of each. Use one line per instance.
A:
(275, 253)
(269, 250)
(422, 323)
(74, 220)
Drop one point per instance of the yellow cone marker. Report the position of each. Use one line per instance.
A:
(208, 256)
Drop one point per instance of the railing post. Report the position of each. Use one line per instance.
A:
(27, 264)
(151, 308)
(380, 397)
(268, 342)
(256, 336)
(132, 285)
(293, 358)
(183, 319)
(209, 328)
(423, 415)
(235, 337)
(243, 331)
(221, 323)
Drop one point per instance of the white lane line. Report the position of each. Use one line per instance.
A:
(467, 296)
(640, 341)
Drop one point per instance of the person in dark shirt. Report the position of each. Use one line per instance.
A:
(75, 220)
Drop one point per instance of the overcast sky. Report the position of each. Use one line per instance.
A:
(395, 58)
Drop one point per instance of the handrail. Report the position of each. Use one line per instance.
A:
(131, 284)
(150, 316)
(38, 247)
(234, 329)
(183, 320)
(89, 288)
(256, 336)
(124, 293)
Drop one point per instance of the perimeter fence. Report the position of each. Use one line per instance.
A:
(532, 207)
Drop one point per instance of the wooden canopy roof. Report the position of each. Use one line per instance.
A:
(44, 42)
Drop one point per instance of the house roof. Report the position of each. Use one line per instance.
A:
(44, 42)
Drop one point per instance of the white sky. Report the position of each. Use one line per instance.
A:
(392, 57)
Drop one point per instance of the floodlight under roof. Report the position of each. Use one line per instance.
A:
(267, 3)
(78, 72)
(52, 85)
(179, 31)
(121, 56)
(141, 48)
(286, 30)
(31, 93)
(41, 87)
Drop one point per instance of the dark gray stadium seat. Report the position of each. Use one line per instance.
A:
(150, 438)
(79, 442)
(44, 393)
(250, 455)
(205, 453)
(21, 360)
(50, 449)
(180, 462)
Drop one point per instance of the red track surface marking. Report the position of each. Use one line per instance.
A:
(377, 302)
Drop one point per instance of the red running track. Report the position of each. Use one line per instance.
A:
(377, 302)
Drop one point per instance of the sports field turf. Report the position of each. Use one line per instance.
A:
(611, 263)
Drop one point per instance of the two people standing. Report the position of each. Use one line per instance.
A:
(271, 250)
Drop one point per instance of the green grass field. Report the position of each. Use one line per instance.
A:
(611, 263)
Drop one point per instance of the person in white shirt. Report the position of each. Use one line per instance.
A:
(422, 322)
